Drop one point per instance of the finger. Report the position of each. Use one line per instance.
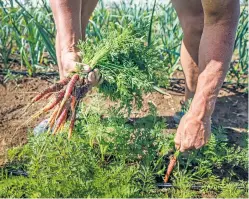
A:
(178, 136)
(185, 146)
(84, 67)
(198, 145)
(97, 75)
(80, 54)
(101, 80)
(91, 78)
(182, 149)
(177, 141)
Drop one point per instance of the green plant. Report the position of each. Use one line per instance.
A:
(6, 45)
(231, 190)
(110, 156)
(239, 67)
(31, 34)
(126, 168)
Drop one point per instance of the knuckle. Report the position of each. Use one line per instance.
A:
(199, 145)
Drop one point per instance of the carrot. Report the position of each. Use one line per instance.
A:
(62, 118)
(171, 165)
(49, 106)
(53, 103)
(48, 95)
(68, 93)
(51, 119)
(48, 92)
(55, 87)
(72, 121)
(71, 127)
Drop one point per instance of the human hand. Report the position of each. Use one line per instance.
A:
(192, 132)
(71, 64)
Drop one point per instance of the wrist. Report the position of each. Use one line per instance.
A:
(202, 107)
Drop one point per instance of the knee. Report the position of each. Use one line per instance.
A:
(192, 26)
(223, 12)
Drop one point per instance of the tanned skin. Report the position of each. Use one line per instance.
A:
(71, 19)
(209, 29)
(215, 51)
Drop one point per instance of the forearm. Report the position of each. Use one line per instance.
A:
(215, 54)
(209, 83)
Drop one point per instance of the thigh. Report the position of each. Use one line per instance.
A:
(87, 7)
(189, 12)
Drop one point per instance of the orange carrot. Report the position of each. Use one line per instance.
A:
(171, 165)
(48, 95)
(57, 99)
(72, 121)
(55, 87)
(68, 92)
(48, 107)
(51, 119)
(62, 118)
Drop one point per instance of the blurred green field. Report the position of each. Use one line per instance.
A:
(27, 34)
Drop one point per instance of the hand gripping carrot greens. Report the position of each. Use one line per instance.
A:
(128, 68)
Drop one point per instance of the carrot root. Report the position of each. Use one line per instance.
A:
(51, 120)
(69, 90)
(55, 87)
(170, 168)
(62, 118)
(72, 121)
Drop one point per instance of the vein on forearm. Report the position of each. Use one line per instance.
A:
(209, 84)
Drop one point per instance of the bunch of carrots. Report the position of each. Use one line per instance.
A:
(116, 58)
(67, 93)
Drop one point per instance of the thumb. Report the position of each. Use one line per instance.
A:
(177, 140)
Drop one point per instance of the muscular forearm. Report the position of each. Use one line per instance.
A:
(208, 86)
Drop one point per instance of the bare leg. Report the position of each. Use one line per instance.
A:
(86, 11)
(57, 41)
(68, 17)
(190, 14)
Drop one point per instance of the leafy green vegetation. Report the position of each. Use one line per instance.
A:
(110, 156)
(128, 66)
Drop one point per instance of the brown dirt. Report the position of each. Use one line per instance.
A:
(231, 110)
(14, 96)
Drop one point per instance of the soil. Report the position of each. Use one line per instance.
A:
(231, 110)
